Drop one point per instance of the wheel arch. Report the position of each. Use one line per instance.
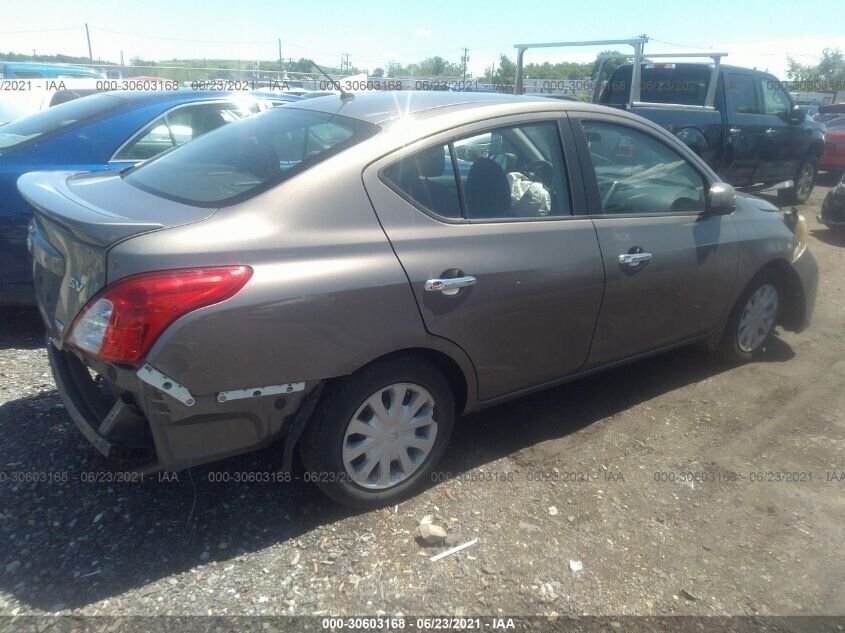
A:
(793, 304)
(453, 372)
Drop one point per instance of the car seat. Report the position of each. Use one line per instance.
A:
(488, 194)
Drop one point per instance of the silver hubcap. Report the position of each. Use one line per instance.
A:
(390, 436)
(805, 182)
(758, 318)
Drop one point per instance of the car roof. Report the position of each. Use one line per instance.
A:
(385, 108)
(180, 95)
(707, 64)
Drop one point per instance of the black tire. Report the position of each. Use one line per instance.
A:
(729, 347)
(797, 195)
(321, 445)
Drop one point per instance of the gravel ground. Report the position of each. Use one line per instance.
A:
(586, 475)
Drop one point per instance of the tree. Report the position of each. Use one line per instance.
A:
(825, 76)
(378, 72)
(506, 72)
(613, 61)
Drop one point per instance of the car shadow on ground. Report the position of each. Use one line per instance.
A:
(830, 236)
(21, 328)
(74, 534)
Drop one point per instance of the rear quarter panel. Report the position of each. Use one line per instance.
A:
(327, 296)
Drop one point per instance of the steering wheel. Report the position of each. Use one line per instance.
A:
(540, 171)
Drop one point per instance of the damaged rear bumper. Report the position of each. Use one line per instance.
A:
(155, 422)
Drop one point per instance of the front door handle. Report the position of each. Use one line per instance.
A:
(633, 260)
(449, 286)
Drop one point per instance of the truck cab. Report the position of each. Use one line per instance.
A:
(751, 133)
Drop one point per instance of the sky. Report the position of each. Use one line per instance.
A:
(755, 34)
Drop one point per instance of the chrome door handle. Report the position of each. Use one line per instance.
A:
(771, 131)
(449, 286)
(632, 260)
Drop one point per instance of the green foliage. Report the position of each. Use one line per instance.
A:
(48, 59)
(830, 71)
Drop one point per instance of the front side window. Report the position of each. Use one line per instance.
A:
(509, 172)
(239, 161)
(775, 100)
(637, 173)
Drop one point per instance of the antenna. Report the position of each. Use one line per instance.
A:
(343, 93)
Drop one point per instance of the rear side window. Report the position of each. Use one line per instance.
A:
(239, 161)
(740, 94)
(509, 172)
(428, 178)
(56, 119)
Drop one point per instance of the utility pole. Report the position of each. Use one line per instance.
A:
(344, 63)
(280, 54)
(121, 58)
(465, 59)
(88, 37)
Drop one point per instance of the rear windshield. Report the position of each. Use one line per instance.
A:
(682, 84)
(240, 160)
(54, 119)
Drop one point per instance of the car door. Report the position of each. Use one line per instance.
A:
(669, 266)
(744, 129)
(497, 260)
(781, 146)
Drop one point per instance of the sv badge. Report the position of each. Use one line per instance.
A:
(76, 284)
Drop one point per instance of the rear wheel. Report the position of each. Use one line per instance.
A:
(753, 319)
(377, 435)
(805, 181)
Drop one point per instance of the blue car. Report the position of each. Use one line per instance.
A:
(101, 132)
(28, 70)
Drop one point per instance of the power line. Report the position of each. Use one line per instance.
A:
(67, 28)
(701, 48)
(180, 39)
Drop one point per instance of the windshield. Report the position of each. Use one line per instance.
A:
(56, 118)
(240, 160)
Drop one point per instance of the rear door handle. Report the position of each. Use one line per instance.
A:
(449, 286)
(633, 260)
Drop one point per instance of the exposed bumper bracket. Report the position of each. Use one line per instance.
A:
(254, 392)
(160, 381)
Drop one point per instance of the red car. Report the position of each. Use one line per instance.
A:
(833, 159)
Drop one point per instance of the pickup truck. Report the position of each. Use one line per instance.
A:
(747, 129)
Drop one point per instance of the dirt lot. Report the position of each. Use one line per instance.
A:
(590, 472)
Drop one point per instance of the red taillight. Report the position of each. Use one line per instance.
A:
(121, 323)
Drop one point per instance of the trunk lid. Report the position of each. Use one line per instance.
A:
(78, 218)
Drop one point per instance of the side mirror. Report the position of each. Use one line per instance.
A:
(797, 116)
(721, 199)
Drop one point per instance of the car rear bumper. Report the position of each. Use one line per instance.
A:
(144, 423)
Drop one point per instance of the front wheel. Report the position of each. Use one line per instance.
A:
(752, 320)
(377, 435)
(805, 181)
